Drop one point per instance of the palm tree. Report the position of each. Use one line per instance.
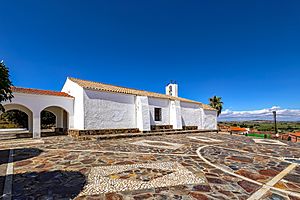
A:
(216, 103)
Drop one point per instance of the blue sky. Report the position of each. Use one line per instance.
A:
(247, 52)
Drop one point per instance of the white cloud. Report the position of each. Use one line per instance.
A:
(263, 114)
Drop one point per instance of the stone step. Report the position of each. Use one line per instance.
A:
(126, 135)
(169, 130)
(97, 132)
(8, 137)
(12, 132)
(161, 127)
(162, 130)
(7, 134)
(20, 142)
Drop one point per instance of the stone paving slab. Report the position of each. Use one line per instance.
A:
(273, 195)
(253, 166)
(291, 181)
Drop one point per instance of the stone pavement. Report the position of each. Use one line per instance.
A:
(191, 166)
(3, 166)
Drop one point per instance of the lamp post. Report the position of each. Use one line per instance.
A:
(275, 123)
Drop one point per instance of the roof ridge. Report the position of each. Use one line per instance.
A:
(77, 80)
(113, 85)
(39, 91)
(169, 96)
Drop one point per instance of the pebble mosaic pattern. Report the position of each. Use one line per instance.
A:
(204, 139)
(99, 180)
(158, 144)
(268, 141)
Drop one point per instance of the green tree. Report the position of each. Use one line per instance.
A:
(216, 103)
(15, 117)
(48, 119)
(5, 85)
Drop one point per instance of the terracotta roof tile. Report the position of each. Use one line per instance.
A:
(297, 134)
(237, 129)
(112, 88)
(39, 92)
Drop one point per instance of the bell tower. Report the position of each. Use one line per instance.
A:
(172, 89)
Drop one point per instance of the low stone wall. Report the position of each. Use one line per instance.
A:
(161, 127)
(189, 127)
(77, 133)
(49, 134)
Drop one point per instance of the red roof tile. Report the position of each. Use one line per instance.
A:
(39, 92)
(237, 129)
(297, 134)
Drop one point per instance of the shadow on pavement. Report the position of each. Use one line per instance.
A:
(3, 159)
(19, 154)
(48, 185)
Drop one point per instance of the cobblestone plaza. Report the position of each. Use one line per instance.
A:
(186, 166)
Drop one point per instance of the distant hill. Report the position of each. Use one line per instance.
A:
(265, 125)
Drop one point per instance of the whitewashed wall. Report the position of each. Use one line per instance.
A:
(142, 113)
(175, 115)
(100, 110)
(201, 119)
(210, 120)
(76, 91)
(104, 110)
(37, 103)
(165, 111)
(190, 114)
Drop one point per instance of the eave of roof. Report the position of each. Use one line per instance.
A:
(91, 85)
(39, 92)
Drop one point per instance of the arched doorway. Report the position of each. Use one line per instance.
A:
(54, 121)
(48, 120)
(16, 122)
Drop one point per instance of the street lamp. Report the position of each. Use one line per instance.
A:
(275, 123)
